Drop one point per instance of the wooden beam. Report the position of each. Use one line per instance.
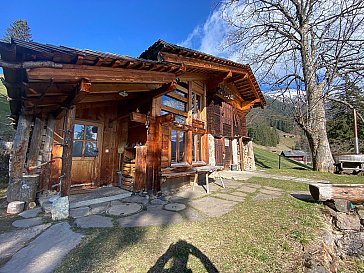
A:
(325, 192)
(198, 63)
(117, 87)
(72, 73)
(18, 156)
(82, 90)
(27, 65)
(67, 151)
(35, 142)
(164, 89)
(138, 117)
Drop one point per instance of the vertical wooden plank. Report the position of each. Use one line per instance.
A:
(67, 151)
(47, 153)
(189, 147)
(140, 168)
(151, 157)
(35, 143)
(18, 155)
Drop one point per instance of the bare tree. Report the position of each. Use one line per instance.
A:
(306, 45)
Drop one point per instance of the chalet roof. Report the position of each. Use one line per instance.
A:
(247, 86)
(160, 45)
(46, 78)
(32, 51)
(293, 153)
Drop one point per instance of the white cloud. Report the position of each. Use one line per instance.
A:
(208, 38)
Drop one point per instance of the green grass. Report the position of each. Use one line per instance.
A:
(267, 160)
(257, 236)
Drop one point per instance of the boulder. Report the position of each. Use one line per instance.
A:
(15, 207)
(60, 208)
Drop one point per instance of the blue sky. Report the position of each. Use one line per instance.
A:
(124, 27)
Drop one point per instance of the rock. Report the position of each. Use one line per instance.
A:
(345, 221)
(79, 212)
(342, 205)
(350, 244)
(125, 209)
(47, 207)
(23, 190)
(157, 202)
(15, 207)
(99, 208)
(174, 207)
(30, 213)
(60, 208)
(153, 216)
(230, 197)
(136, 199)
(25, 223)
(94, 221)
(115, 202)
(361, 214)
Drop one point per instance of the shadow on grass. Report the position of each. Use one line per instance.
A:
(179, 254)
(304, 197)
(261, 164)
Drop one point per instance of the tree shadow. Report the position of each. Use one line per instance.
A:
(261, 164)
(179, 253)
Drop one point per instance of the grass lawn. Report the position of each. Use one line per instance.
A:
(257, 236)
(268, 161)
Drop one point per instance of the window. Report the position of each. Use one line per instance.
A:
(178, 146)
(196, 105)
(196, 147)
(84, 141)
(175, 102)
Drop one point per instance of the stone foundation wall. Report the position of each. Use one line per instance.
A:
(248, 163)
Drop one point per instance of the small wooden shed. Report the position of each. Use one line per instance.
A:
(82, 115)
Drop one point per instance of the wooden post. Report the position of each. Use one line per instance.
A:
(47, 153)
(140, 168)
(67, 151)
(18, 155)
(35, 143)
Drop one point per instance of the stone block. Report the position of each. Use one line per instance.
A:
(60, 208)
(342, 205)
(23, 190)
(15, 207)
(345, 221)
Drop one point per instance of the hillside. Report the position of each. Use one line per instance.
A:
(6, 129)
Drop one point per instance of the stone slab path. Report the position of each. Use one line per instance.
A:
(11, 242)
(45, 252)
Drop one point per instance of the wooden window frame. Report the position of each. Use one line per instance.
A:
(177, 152)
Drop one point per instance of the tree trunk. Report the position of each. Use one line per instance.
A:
(315, 124)
(315, 130)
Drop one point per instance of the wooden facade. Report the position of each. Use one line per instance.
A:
(94, 114)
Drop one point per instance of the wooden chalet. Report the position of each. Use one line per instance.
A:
(82, 115)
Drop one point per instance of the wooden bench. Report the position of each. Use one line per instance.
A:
(207, 170)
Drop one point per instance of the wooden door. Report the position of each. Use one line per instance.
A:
(219, 152)
(227, 154)
(86, 154)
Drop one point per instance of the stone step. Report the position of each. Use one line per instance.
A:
(77, 204)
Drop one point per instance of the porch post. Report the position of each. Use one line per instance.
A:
(67, 151)
(18, 156)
